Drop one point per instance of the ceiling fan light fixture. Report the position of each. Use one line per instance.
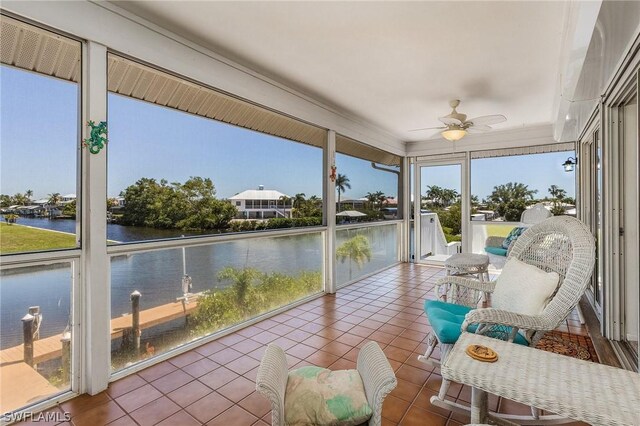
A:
(454, 134)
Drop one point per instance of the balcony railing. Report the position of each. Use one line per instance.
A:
(166, 294)
(365, 249)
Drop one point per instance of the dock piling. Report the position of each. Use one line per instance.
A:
(135, 318)
(27, 333)
(66, 355)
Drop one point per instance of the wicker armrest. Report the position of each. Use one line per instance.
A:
(378, 378)
(494, 242)
(469, 283)
(506, 318)
(271, 381)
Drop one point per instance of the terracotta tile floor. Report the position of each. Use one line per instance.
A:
(215, 383)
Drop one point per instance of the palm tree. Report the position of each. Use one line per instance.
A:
(285, 200)
(380, 198)
(20, 199)
(315, 200)
(54, 199)
(297, 203)
(356, 249)
(342, 183)
(243, 281)
(449, 196)
(29, 194)
(434, 195)
(376, 199)
(372, 198)
(558, 194)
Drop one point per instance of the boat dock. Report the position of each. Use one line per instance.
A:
(15, 370)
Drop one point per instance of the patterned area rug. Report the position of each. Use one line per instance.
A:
(572, 345)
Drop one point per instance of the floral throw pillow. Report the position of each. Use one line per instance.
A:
(317, 396)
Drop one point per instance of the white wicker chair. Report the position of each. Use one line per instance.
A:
(373, 366)
(560, 244)
(536, 214)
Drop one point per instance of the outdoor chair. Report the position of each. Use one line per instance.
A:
(497, 248)
(560, 244)
(372, 367)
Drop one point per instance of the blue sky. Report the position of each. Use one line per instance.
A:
(38, 131)
(539, 171)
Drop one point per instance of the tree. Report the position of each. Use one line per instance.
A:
(557, 196)
(356, 249)
(111, 202)
(475, 203)
(512, 197)
(242, 284)
(380, 199)
(513, 209)
(20, 199)
(54, 199)
(191, 205)
(10, 218)
(204, 210)
(70, 209)
(297, 203)
(285, 200)
(342, 184)
(5, 200)
(449, 196)
(452, 218)
(372, 199)
(29, 194)
(434, 195)
(310, 208)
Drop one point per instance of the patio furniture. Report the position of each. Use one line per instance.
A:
(372, 365)
(569, 387)
(497, 248)
(461, 264)
(465, 264)
(562, 245)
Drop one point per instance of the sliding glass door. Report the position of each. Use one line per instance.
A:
(438, 209)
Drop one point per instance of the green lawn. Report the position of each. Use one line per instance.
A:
(499, 230)
(17, 238)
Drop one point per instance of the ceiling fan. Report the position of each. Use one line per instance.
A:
(457, 126)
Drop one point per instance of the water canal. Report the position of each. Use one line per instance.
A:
(157, 275)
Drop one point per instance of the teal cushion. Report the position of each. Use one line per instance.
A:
(446, 320)
(496, 250)
(513, 235)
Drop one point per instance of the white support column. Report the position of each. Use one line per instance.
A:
(96, 345)
(465, 220)
(329, 214)
(404, 206)
(417, 219)
(611, 223)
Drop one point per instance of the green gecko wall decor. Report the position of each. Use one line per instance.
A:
(98, 138)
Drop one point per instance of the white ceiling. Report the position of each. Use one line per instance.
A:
(395, 64)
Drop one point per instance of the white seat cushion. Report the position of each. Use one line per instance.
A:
(523, 288)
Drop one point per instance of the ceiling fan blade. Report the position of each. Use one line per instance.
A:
(450, 121)
(428, 128)
(478, 129)
(488, 119)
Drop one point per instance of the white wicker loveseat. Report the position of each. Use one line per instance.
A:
(372, 365)
(559, 244)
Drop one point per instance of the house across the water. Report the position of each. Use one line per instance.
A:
(262, 203)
